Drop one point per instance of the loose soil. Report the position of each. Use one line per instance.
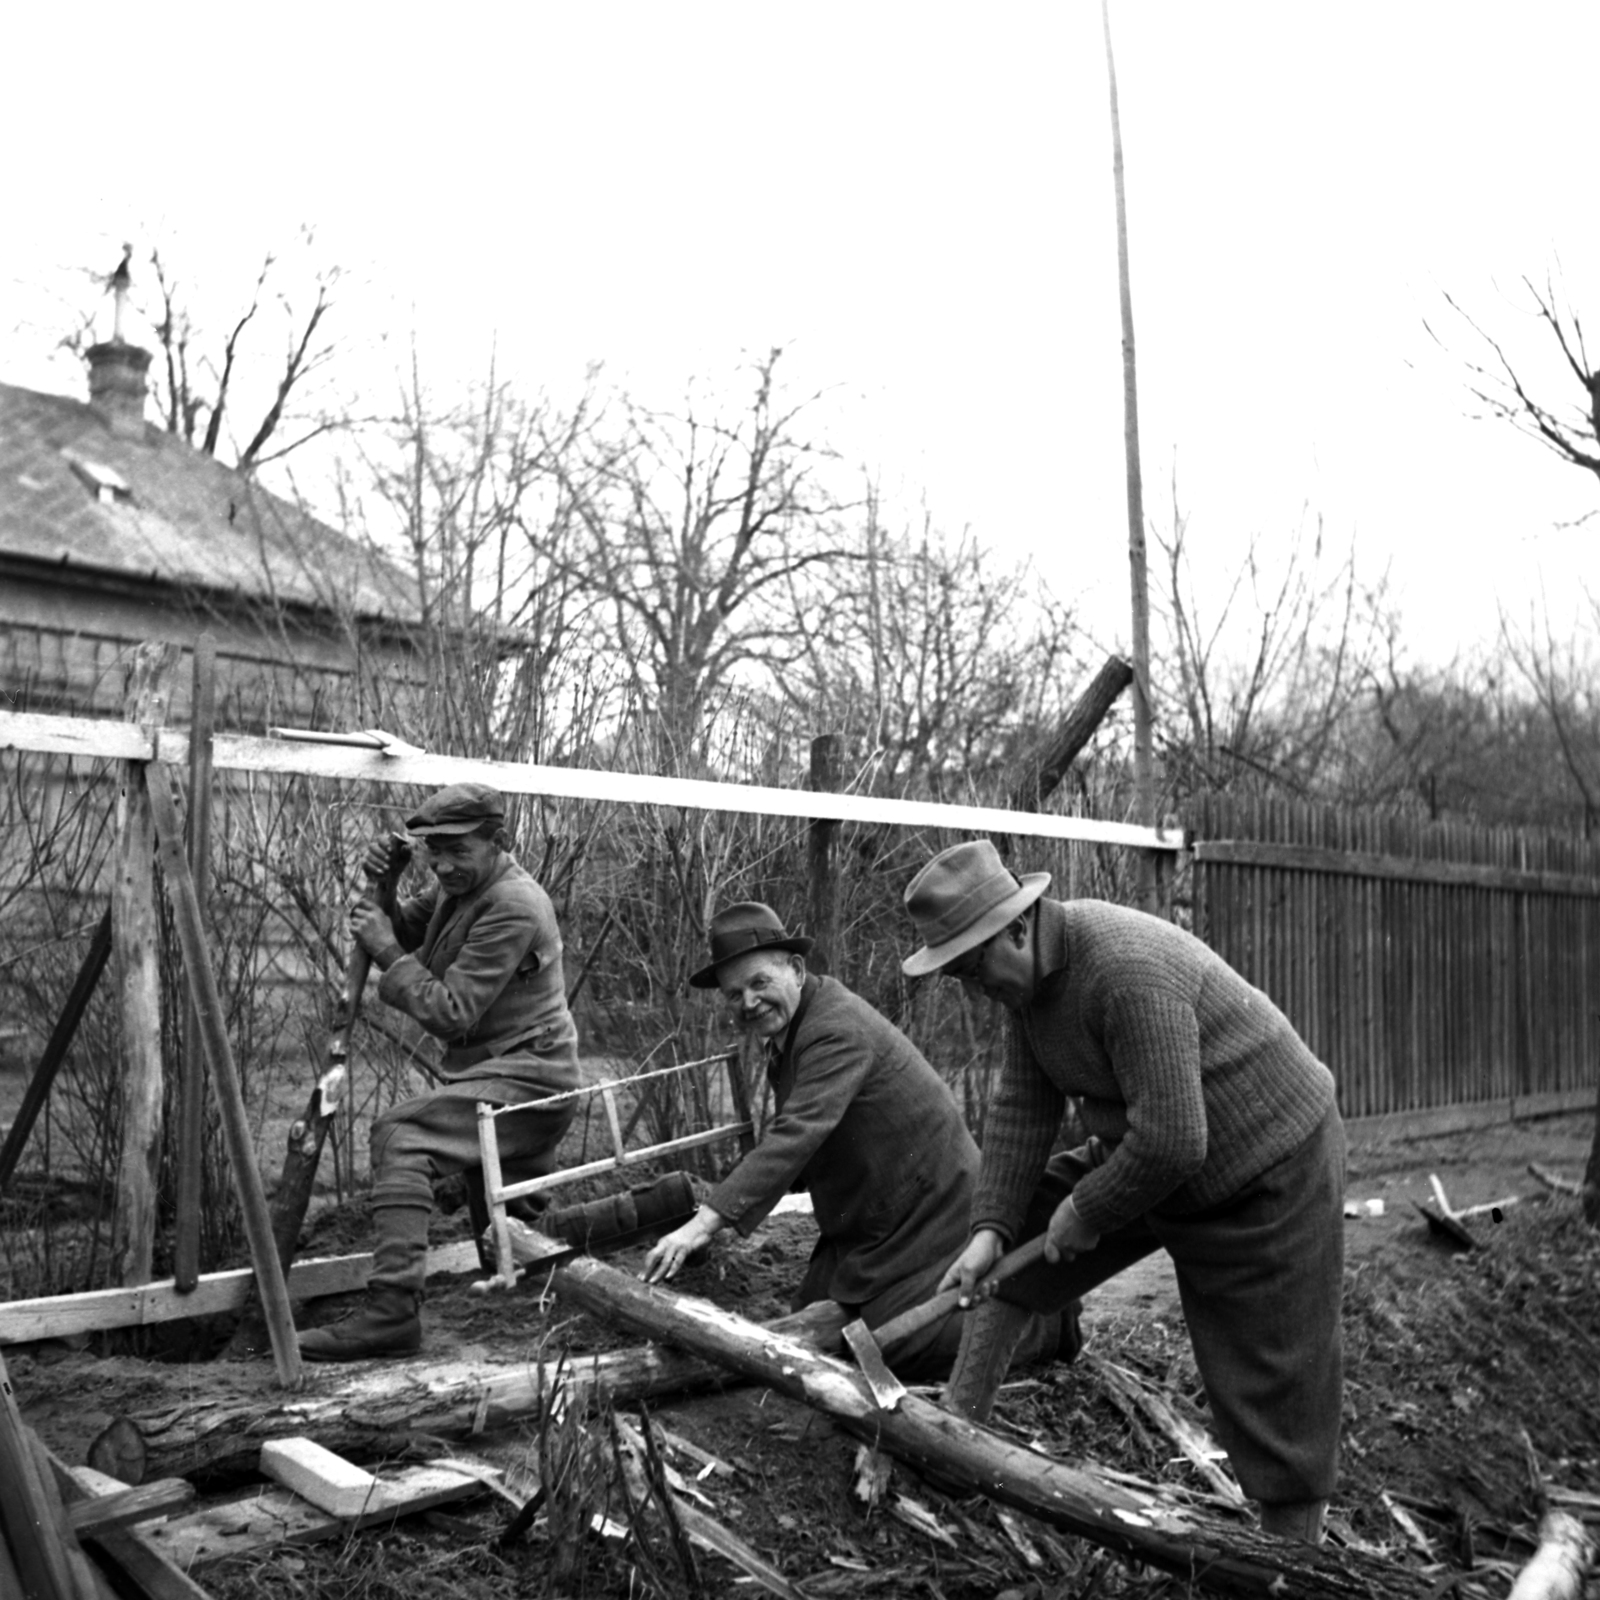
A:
(1467, 1373)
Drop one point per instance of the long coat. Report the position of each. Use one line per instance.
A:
(874, 1133)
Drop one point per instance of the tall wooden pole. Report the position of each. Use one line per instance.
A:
(207, 1002)
(135, 941)
(190, 1153)
(1143, 731)
(822, 874)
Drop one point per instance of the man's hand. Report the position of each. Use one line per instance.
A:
(1068, 1235)
(984, 1248)
(372, 930)
(667, 1258)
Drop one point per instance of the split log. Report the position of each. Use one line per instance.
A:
(370, 1411)
(1560, 1563)
(1209, 1551)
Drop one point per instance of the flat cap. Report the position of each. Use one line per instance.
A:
(457, 808)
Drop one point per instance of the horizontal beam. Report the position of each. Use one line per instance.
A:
(63, 1315)
(1427, 1122)
(1395, 869)
(84, 736)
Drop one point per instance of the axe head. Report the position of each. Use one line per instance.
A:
(887, 1390)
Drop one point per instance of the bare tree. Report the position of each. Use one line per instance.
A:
(219, 384)
(1278, 680)
(934, 658)
(1571, 427)
(689, 525)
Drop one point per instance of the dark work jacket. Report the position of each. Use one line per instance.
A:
(485, 977)
(874, 1133)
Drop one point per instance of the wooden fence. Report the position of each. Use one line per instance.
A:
(1446, 973)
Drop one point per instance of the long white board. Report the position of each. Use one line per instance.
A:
(85, 736)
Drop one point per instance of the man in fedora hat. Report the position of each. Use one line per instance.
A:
(1214, 1134)
(864, 1123)
(475, 958)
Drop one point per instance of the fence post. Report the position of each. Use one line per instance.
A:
(190, 1144)
(135, 944)
(822, 908)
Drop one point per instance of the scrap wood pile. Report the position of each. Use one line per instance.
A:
(1472, 1431)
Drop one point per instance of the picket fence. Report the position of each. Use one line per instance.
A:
(1446, 973)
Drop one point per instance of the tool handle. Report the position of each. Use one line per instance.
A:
(942, 1304)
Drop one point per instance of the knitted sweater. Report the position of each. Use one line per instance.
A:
(1193, 1077)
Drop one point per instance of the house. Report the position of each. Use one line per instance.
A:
(114, 531)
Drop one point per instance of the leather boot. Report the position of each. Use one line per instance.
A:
(387, 1325)
(1300, 1520)
(989, 1338)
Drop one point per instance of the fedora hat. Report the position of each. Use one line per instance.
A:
(964, 896)
(738, 929)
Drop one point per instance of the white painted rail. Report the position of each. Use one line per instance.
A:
(121, 741)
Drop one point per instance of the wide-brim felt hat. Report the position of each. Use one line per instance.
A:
(457, 808)
(963, 897)
(738, 929)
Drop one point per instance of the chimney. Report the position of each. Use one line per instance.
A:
(117, 386)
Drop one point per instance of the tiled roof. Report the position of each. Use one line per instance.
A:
(74, 493)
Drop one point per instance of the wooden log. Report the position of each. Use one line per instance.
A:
(55, 1050)
(1044, 771)
(235, 1122)
(189, 1152)
(1560, 1564)
(136, 943)
(369, 1411)
(1201, 1548)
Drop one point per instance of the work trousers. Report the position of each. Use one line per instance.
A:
(1261, 1280)
(435, 1135)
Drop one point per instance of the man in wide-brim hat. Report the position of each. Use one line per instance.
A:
(1214, 1134)
(864, 1123)
(475, 958)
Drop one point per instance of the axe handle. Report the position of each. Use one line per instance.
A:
(942, 1304)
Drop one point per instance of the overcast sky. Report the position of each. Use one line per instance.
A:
(917, 199)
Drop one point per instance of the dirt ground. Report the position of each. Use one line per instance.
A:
(1463, 1368)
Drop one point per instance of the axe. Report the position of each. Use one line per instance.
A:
(887, 1390)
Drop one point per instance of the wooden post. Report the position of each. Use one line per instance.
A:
(27, 1520)
(235, 1122)
(189, 1156)
(1039, 779)
(55, 1052)
(135, 941)
(822, 909)
(1590, 1192)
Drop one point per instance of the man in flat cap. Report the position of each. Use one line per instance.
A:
(866, 1125)
(1214, 1135)
(476, 960)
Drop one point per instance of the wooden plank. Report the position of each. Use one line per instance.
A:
(272, 1515)
(151, 1574)
(240, 753)
(102, 1512)
(1354, 864)
(143, 1305)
